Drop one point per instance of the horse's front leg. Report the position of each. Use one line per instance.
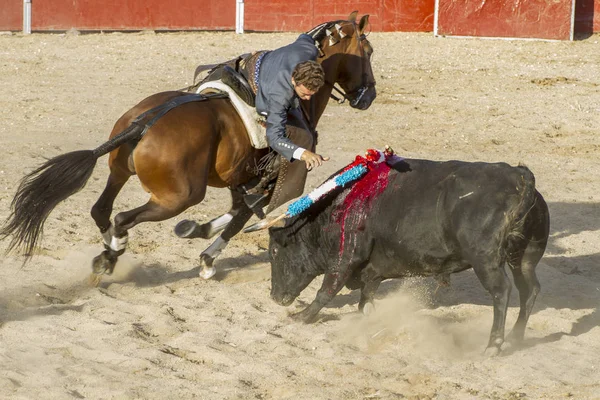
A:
(188, 229)
(240, 215)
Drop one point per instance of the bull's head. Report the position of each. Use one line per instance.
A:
(291, 263)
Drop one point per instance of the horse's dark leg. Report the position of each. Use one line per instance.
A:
(240, 215)
(102, 210)
(117, 235)
(188, 229)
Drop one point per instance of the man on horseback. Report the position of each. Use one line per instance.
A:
(281, 79)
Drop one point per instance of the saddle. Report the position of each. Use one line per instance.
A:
(239, 84)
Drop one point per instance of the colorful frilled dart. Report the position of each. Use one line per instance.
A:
(350, 173)
(359, 167)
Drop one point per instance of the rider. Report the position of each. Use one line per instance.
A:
(281, 79)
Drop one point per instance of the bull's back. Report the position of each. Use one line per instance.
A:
(440, 217)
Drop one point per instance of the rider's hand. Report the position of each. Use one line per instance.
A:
(312, 160)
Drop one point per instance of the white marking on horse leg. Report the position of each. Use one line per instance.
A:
(107, 236)
(212, 252)
(119, 243)
(113, 242)
(221, 221)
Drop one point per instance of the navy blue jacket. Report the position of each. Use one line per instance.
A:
(276, 95)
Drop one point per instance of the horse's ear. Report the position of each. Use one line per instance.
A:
(352, 16)
(364, 21)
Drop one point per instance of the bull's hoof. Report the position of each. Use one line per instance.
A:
(494, 347)
(515, 337)
(303, 316)
(94, 280)
(368, 308)
(492, 351)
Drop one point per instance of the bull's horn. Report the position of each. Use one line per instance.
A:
(264, 224)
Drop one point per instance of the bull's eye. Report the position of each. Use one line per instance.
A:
(274, 252)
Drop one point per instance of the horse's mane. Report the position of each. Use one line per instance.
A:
(318, 32)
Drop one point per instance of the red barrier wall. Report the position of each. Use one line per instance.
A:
(11, 15)
(302, 15)
(506, 18)
(63, 15)
(260, 15)
(587, 16)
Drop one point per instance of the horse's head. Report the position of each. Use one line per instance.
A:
(345, 55)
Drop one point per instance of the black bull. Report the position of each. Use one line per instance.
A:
(418, 218)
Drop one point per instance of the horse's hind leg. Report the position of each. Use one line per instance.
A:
(151, 211)
(102, 210)
(240, 215)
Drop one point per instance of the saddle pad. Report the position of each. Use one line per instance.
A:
(256, 132)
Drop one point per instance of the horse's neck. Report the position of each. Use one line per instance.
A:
(316, 106)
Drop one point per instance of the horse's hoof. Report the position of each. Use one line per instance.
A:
(186, 229)
(207, 272)
(94, 279)
(99, 265)
(104, 264)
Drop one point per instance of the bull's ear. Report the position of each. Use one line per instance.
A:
(352, 16)
(364, 21)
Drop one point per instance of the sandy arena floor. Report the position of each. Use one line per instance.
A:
(154, 330)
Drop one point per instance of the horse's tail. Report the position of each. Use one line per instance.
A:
(43, 189)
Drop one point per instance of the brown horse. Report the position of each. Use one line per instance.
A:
(178, 144)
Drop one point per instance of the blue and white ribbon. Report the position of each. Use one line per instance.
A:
(337, 181)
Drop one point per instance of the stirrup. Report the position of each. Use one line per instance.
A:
(253, 202)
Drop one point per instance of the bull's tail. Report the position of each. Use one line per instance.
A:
(528, 221)
(43, 189)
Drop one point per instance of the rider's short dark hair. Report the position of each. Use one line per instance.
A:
(310, 74)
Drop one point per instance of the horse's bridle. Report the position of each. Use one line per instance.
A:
(356, 95)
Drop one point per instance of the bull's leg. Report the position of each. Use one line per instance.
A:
(241, 214)
(494, 279)
(367, 294)
(332, 284)
(523, 268)
(528, 285)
